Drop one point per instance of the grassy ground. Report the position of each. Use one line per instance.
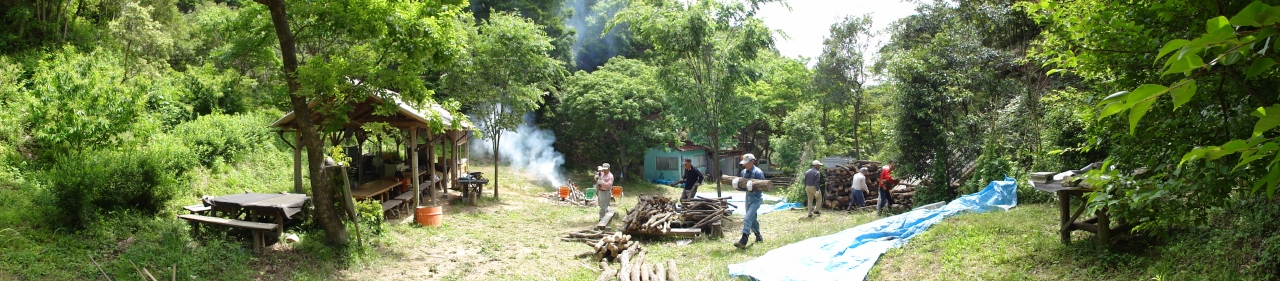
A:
(515, 238)
(1022, 244)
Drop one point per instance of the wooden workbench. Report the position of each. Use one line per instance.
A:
(1068, 221)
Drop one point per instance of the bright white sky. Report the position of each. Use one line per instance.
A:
(809, 21)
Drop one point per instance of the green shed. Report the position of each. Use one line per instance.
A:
(666, 163)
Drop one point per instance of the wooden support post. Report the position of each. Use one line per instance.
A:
(1064, 208)
(1104, 228)
(431, 165)
(297, 163)
(413, 164)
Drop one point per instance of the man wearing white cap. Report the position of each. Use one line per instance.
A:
(812, 182)
(857, 197)
(754, 199)
(604, 183)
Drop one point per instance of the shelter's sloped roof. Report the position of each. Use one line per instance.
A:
(364, 113)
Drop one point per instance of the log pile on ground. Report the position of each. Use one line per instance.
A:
(631, 257)
(742, 183)
(839, 186)
(700, 212)
(652, 214)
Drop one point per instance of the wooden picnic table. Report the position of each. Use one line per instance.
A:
(246, 210)
(374, 188)
(1068, 221)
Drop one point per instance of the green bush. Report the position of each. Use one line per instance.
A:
(226, 138)
(988, 169)
(139, 181)
(795, 193)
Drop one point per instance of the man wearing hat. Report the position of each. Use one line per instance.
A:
(754, 199)
(857, 197)
(604, 183)
(812, 181)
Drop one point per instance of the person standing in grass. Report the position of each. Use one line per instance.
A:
(812, 179)
(692, 178)
(857, 195)
(885, 200)
(754, 199)
(604, 185)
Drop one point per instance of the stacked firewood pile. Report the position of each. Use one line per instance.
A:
(652, 214)
(699, 212)
(840, 186)
(631, 256)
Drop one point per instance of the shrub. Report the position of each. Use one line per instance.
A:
(795, 193)
(225, 138)
(138, 180)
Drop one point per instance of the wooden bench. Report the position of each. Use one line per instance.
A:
(197, 209)
(391, 204)
(256, 227)
(407, 197)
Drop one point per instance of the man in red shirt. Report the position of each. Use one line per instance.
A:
(886, 184)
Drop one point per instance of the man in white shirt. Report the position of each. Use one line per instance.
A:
(857, 197)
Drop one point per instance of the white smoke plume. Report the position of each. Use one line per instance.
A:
(528, 148)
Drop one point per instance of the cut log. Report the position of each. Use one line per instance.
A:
(672, 273)
(742, 183)
(660, 271)
(606, 274)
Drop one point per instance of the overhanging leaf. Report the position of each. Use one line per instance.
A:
(1268, 118)
(1113, 108)
(1259, 66)
(1145, 92)
(1137, 111)
(1214, 24)
(1172, 46)
(1183, 93)
(1188, 62)
(1249, 15)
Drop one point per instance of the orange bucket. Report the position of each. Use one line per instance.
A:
(430, 216)
(617, 191)
(564, 192)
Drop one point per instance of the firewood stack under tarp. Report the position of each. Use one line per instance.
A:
(652, 214)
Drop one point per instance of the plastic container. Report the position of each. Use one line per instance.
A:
(591, 193)
(617, 191)
(564, 192)
(430, 216)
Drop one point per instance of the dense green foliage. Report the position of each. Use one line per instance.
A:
(87, 186)
(621, 103)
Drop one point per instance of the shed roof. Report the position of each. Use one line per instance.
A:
(405, 116)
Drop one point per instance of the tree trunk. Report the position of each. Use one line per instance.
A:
(497, 138)
(322, 191)
(715, 157)
(857, 117)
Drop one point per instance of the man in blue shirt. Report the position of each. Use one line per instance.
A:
(754, 199)
(692, 178)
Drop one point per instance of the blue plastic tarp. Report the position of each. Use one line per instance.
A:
(769, 208)
(850, 254)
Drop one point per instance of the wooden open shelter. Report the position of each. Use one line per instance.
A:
(422, 125)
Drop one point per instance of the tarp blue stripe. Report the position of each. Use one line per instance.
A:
(850, 254)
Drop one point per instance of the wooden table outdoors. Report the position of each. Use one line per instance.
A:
(471, 188)
(280, 208)
(374, 189)
(1068, 221)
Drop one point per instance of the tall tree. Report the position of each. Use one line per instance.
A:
(338, 52)
(619, 102)
(841, 71)
(506, 71)
(703, 48)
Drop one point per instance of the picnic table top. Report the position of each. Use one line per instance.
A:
(374, 188)
(482, 181)
(1057, 186)
(287, 203)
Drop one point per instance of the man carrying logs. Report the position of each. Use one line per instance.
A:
(886, 183)
(813, 179)
(604, 186)
(857, 193)
(754, 199)
(692, 178)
